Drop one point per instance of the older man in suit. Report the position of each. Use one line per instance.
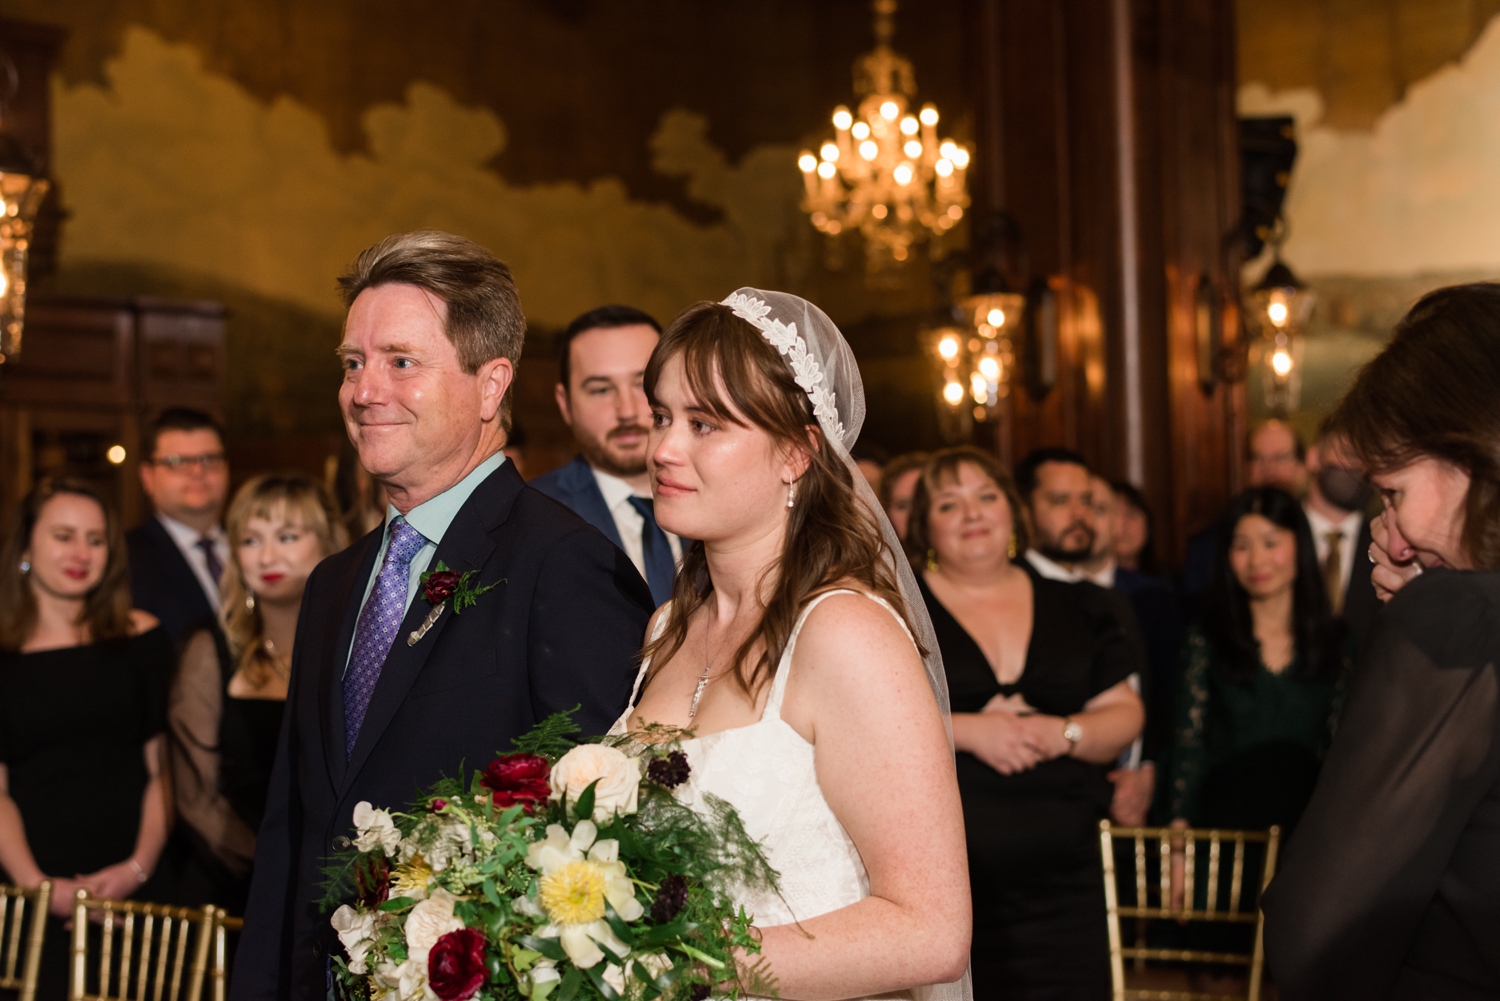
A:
(601, 360)
(385, 698)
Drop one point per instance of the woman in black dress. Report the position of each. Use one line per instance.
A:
(1037, 675)
(1391, 888)
(230, 689)
(83, 680)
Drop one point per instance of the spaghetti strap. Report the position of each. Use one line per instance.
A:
(635, 691)
(784, 669)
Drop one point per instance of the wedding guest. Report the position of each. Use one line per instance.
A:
(1391, 888)
(83, 680)
(1276, 456)
(1157, 613)
(177, 553)
(898, 481)
(788, 648)
(226, 701)
(1135, 539)
(1262, 676)
(1038, 672)
(601, 360)
(1337, 494)
(871, 459)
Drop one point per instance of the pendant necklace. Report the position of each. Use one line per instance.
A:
(703, 680)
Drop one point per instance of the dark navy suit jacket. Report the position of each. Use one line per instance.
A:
(560, 630)
(575, 486)
(162, 583)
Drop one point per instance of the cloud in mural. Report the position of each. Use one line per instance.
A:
(171, 166)
(1416, 193)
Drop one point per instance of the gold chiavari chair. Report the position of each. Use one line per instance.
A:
(18, 968)
(147, 952)
(223, 925)
(1153, 898)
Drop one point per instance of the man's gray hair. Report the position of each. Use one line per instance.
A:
(484, 309)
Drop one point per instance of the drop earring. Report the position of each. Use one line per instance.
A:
(249, 600)
(1011, 549)
(25, 566)
(932, 560)
(791, 492)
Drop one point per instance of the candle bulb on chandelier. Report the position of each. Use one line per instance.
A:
(809, 166)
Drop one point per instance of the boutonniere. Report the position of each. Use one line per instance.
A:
(439, 585)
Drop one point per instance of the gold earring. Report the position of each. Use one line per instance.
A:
(1011, 549)
(932, 561)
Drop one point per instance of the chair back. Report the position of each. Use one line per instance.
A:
(20, 939)
(1207, 858)
(223, 925)
(147, 952)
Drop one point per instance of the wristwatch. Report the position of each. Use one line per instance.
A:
(1073, 732)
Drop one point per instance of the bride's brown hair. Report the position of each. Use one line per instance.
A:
(832, 540)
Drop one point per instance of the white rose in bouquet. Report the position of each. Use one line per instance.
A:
(618, 776)
(429, 921)
(356, 933)
(375, 828)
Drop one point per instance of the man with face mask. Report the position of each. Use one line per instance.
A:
(1337, 496)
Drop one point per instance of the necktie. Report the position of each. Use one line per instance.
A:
(211, 556)
(378, 624)
(1333, 567)
(656, 551)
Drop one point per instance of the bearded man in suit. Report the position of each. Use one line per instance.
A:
(385, 698)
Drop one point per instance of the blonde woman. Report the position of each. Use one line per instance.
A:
(226, 703)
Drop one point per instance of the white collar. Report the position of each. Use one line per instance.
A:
(186, 536)
(1348, 526)
(615, 490)
(1052, 570)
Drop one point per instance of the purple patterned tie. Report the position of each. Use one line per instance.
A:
(379, 621)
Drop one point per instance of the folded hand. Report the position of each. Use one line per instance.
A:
(1389, 574)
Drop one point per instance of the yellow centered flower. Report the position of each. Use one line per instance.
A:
(574, 894)
(412, 877)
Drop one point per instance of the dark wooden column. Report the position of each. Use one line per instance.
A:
(1114, 125)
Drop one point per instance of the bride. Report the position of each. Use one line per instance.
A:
(788, 650)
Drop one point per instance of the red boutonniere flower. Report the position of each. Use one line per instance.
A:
(441, 584)
(518, 778)
(455, 965)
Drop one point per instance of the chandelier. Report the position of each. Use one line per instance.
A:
(22, 188)
(976, 360)
(885, 172)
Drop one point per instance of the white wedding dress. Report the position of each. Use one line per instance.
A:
(767, 772)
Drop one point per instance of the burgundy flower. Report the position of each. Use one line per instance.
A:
(372, 878)
(441, 584)
(439, 805)
(455, 966)
(670, 771)
(518, 778)
(671, 898)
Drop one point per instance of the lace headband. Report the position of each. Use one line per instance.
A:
(785, 339)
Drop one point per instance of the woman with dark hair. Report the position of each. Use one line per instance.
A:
(792, 653)
(1262, 670)
(227, 699)
(1135, 539)
(898, 482)
(1392, 886)
(1038, 672)
(83, 681)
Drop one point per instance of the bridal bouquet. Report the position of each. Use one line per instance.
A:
(558, 872)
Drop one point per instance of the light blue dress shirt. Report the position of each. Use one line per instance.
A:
(431, 518)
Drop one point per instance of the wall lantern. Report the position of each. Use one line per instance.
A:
(22, 189)
(1281, 303)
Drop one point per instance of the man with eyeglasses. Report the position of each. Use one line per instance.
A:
(179, 553)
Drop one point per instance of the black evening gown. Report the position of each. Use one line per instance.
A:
(72, 725)
(1033, 838)
(223, 748)
(1391, 887)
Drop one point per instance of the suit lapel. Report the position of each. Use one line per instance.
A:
(465, 546)
(588, 501)
(180, 576)
(349, 590)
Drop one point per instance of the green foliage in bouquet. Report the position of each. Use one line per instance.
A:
(561, 871)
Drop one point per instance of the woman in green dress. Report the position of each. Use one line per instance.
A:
(1263, 676)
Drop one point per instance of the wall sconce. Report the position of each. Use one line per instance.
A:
(1281, 303)
(22, 189)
